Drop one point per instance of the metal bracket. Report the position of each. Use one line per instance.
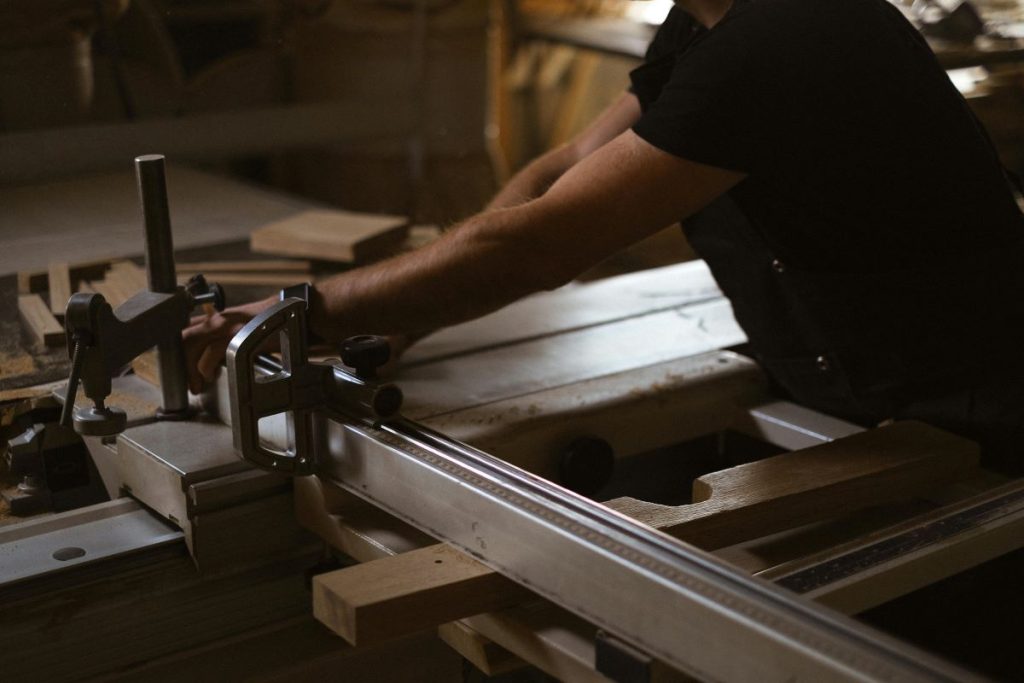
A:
(297, 389)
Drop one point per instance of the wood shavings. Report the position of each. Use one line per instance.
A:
(16, 364)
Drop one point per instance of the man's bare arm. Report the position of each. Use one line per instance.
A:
(540, 174)
(619, 194)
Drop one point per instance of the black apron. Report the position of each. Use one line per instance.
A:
(941, 343)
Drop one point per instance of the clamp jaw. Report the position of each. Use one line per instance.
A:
(300, 388)
(101, 341)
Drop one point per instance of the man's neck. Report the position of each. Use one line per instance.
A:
(706, 12)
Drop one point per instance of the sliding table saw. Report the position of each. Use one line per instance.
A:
(473, 510)
(589, 378)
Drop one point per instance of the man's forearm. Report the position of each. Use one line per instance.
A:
(482, 265)
(535, 178)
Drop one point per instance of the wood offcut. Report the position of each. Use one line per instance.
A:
(332, 235)
(409, 592)
(38, 321)
(60, 287)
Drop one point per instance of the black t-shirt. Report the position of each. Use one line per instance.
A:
(861, 154)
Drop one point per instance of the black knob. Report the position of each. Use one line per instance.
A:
(365, 353)
(586, 465)
(203, 292)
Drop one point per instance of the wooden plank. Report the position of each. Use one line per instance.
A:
(552, 361)
(114, 294)
(573, 307)
(244, 266)
(39, 321)
(36, 281)
(633, 411)
(331, 236)
(123, 281)
(59, 277)
(553, 639)
(410, 592)
(870, 468)
(481, 652)
(236, 278)
(132, 276)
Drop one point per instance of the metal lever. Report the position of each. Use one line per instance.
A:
(297, 388)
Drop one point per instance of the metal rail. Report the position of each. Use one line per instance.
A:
(676, 603)
(668, 599)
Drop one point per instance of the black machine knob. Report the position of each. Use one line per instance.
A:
(203, 292)
(365, 353)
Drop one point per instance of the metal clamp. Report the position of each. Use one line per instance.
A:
(297, 389)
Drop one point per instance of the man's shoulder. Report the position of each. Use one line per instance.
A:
(813, 32)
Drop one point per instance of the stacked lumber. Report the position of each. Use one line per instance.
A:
(121, 282)
(42, 319)
(39, 321)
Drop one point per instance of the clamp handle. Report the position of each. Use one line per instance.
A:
(296, 390)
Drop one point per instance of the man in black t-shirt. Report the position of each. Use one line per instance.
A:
(838, 186)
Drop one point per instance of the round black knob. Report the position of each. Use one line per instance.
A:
(203, 292)
(586, 465)
(365, 353)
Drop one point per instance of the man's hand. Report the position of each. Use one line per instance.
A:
(207, 338)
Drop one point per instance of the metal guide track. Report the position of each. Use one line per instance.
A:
(672, 601)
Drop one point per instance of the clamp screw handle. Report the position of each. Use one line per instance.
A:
(365, 353)
(73, 380)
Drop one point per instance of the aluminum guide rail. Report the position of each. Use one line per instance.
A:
(670, 600)
(675, 602)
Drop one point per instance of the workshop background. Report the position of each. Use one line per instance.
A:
(415, 110)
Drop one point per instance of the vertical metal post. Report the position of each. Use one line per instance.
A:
(149, 171)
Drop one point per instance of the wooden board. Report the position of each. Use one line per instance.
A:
(123, 281)
(573, 307)
(36, 281)
(244, 266)
(97, 217)
(133, 277)
(869, 468)
(394, 596)
(60, 287)
(573, 356)
(332, 236)
(37, 319)
(236, 278)
(634, 411)
(483, 653)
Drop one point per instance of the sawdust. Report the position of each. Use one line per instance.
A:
(16, 364)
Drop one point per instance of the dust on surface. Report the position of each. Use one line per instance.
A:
(15, 364)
